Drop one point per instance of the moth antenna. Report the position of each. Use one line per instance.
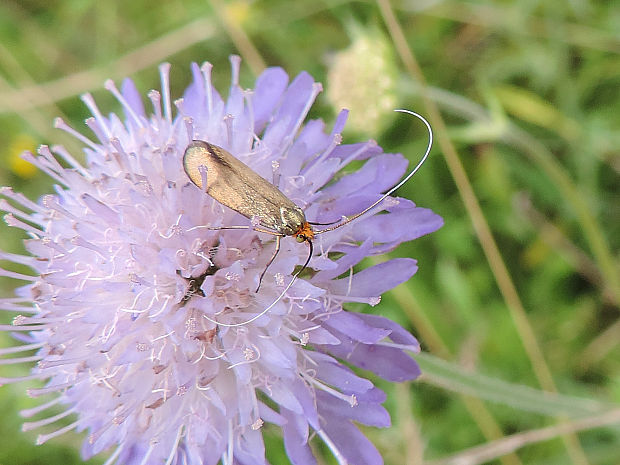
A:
(348, 219)
(310, 251)
(323, 224)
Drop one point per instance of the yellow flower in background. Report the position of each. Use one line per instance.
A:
(237, 12)
(16, 164)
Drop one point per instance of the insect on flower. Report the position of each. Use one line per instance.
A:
(140, 305)
(233, 184)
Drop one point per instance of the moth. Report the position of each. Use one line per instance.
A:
(235, 185)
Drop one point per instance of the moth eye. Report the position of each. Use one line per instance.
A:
(300, 238)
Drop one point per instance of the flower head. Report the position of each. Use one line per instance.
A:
(145, 319)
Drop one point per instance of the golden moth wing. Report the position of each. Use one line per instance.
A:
(235, 185)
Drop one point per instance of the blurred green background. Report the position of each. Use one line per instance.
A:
(516, 300)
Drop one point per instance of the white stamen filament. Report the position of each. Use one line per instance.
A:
(27, 413)
(89, 101)
(43, 438)
(332, 447)
(175, 446)
(19, 379)
(115, 454)
(21, 348)
(13, 361)
(164, 74)
(29, 426)
(350, 399)
(7, 207)
(38, 392)
(148, 452)
(110, 86)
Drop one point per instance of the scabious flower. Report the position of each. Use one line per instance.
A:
(144, 321)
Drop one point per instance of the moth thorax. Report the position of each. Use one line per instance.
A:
(293, 220)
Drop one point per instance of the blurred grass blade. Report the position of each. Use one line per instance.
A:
(452, 377)
(529, 107)
(496, 449)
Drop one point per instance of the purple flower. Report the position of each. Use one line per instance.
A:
(145, 322)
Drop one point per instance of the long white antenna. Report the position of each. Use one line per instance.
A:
(348, 219)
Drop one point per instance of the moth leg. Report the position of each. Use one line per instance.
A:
(257, 229)
(273, 257)
(217, 228)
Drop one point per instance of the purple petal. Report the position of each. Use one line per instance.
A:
(367, 413)
(283, 396)
(269, 415)
(377, 279)
(333, 209)
(320, 336)
(353, 255)
(277, 355)
(404, 223)
(353, 445)
(297, 154)
(398, 334)
(251, 449)
(268, 91)
(363, 150)
(296, 444)
(340, 122)
(377, 175)
(235, 105)
(194, 100)
(292, 106)
(336, 374)
(311, 141)
(133, 97)
(321, 173)
(307, 401)
(355, 328)
(387, 362)
(375, 396)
